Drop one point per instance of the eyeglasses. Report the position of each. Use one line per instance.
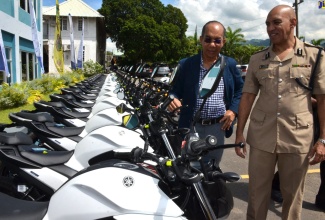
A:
(209, 40)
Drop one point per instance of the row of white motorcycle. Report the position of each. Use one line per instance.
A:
(83, 159)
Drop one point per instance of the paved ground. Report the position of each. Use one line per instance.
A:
(231, 162)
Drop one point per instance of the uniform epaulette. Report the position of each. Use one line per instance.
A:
(261, 50)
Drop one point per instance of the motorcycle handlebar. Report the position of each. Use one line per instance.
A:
(197, 146)
(224, 146)
(137, 155)
(123, 155)
(168, 100)
(208, 144)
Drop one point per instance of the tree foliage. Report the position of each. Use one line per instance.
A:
(236, 48)
(234, 40)
(148, 31)
(317, 42)
(145, 29)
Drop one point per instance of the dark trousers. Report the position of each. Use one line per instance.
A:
(320, 197)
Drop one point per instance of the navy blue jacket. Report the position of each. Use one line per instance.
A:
(187, 87)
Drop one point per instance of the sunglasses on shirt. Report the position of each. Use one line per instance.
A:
(209, 40)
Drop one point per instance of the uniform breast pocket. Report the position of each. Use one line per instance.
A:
(257, 117)
(303, 75)
(265, 79)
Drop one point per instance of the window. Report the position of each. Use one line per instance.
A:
(28, 66)
(64, 24)
(83, 53)
(9, 59)
(24, 4)
(3, 75)
(80, 24)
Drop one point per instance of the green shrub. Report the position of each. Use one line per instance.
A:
(92, 68)
(12, 96)
(73, 77)
(30, 91)
(34, 96)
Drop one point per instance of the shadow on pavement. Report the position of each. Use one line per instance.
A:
(310, 206)
(240, 191)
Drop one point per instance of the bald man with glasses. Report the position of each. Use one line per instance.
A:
(280, 131)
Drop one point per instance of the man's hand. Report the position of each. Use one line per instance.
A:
(240, 151)
(227, 119)
(174, 105)
(317, 153)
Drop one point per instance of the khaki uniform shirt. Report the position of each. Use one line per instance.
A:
(281, 120)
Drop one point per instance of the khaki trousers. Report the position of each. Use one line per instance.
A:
(292, 169)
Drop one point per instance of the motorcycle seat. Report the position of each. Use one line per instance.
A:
(39, 116)
(78, 95)
(83, 104)
(66, 131)
(70, 101)
(17, 209)
(53, 104)
(15, 138)
(76, 114)
(44, 157)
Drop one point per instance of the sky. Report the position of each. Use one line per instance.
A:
(249, 15)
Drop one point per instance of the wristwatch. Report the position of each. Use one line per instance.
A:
(322, 141)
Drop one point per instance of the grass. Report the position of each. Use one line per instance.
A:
(4, 119)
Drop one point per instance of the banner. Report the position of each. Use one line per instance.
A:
(72, 53)
(3, 58)
(58, 50)
(35, 36)
(81, 47)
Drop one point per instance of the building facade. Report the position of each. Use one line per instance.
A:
(94, 44)
(15, 27)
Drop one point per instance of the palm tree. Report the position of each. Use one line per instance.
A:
(234, 39)
(317, 42)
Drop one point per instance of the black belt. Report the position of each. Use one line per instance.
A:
(210, 121)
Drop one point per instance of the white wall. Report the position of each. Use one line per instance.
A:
(18, 29)
(90, 41)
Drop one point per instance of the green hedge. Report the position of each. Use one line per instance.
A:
(30, 91)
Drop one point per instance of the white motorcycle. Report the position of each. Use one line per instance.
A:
(128, 188)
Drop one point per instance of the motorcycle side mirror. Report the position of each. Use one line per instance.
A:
(154, 71)
(115, 91)
(121, 108)
(120, 95)
(173, 76)
(212, 79)
(130, 121)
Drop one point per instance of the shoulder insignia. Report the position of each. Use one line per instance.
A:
(299, 51)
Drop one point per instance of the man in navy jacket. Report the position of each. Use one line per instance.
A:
(221, 108)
